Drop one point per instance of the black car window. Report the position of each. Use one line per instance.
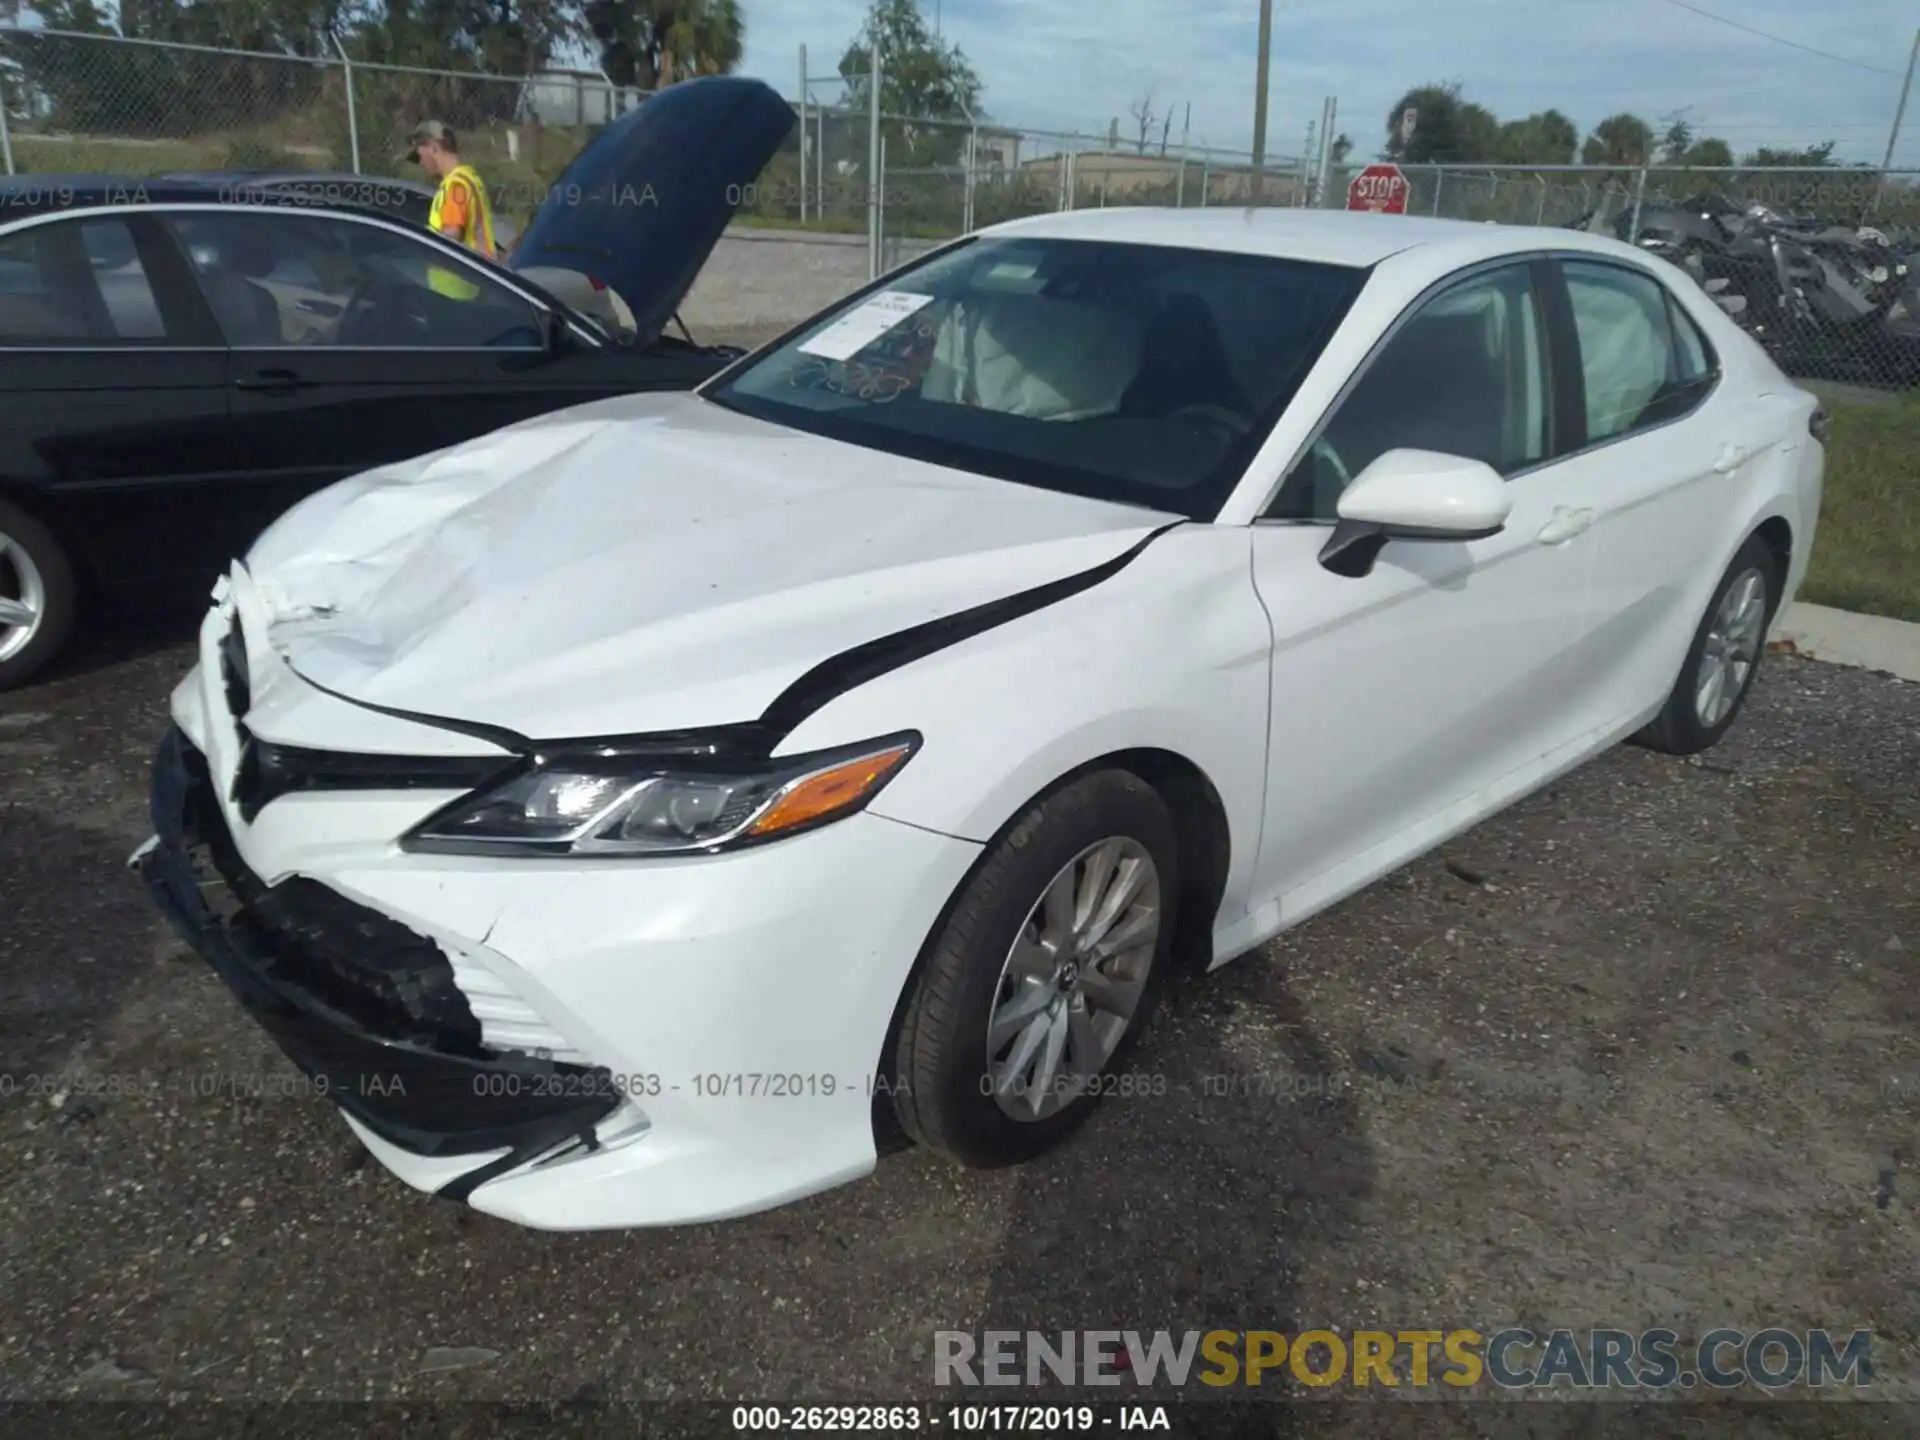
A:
(280, 278)
(1464, 375)
(75, 282)
(1636, 373)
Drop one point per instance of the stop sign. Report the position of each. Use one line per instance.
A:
(1379, 187)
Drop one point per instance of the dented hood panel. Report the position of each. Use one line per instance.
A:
(643, 563)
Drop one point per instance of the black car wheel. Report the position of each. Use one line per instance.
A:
(36, 596)
(1042, 976)
(1723, 659)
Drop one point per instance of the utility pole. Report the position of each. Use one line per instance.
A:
(1900, 113)
(1260, 101)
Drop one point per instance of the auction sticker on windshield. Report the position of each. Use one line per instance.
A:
(864, 324)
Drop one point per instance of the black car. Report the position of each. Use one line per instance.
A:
(408, 200)
(181, 359)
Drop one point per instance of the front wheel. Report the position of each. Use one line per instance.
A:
(37, 597)
(1042, 977)
(1723, 659)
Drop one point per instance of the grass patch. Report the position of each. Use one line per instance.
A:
(1866, 555)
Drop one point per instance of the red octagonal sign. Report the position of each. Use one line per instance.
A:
(1379, 187)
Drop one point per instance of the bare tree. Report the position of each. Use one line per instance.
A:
(1143, 115)
(1166, 129)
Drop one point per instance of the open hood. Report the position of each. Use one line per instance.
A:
(641, 207)
(644, 563)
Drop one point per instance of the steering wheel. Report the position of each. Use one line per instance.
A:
(399, 304)
(352, 311)
(1218, 417)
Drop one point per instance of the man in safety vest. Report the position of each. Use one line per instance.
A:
(460, 208)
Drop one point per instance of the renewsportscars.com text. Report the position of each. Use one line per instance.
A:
(1509, 1359)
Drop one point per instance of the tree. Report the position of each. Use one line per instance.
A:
(1449, 129)
(1676, 141)
(1143, 115)
(1341, 148)
(1814, 157)
(1710, 153)
(921, 75)
(1621, 139)
(1546, 138)
(650, 43)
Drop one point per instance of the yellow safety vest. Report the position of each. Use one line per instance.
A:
(478, 235)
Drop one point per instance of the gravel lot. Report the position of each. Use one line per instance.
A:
(1642, 1051)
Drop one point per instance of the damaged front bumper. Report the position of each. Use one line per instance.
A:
(367, 1009)
(739, 1003)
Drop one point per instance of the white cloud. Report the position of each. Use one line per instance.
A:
(1076, 64)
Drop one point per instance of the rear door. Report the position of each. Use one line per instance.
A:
(344, 355)
(1660, 442)
(115, 425)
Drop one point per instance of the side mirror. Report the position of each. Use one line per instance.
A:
(554, 331)
(1414, 495)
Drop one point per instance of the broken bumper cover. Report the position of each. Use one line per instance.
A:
(740, 1002)
(434, 1093)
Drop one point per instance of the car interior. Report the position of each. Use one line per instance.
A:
(1461, 377)
(307, 281)
(1137, 371)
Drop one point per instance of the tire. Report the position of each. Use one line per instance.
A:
(1682, 726)
(943, 1075)
(34, 568)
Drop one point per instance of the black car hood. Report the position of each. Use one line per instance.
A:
(641, 207)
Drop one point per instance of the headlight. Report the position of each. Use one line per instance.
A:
(611, 804)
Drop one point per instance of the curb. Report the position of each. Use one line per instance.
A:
(1840, 637)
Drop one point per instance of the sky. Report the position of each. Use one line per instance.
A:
(1078, 64)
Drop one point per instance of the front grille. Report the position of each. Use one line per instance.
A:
(265, 771)
(234, 675)
(389, 981)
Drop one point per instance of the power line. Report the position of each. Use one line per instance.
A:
(1782, 40)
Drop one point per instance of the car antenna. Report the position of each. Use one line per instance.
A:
(688, 334)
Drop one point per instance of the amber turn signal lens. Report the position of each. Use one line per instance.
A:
(828, 792)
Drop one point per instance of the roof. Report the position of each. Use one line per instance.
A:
(25, 195)
(1328, 237)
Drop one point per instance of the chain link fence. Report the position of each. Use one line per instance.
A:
(1821, 266)
(1827, 276)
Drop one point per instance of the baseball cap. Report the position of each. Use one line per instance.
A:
(427, 130)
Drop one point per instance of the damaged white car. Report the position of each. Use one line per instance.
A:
(640, 814)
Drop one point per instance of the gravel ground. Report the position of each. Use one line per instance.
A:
(1642, 1051)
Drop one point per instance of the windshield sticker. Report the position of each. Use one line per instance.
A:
(864, 324)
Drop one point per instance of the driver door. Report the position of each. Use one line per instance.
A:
(1412, 700)
(340, 355)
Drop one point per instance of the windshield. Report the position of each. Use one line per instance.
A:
(1137, 373)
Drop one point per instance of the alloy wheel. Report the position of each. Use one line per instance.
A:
(1073, 979)
(1732, 647)
(23, 598)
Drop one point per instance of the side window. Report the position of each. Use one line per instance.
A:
(1698, 364)
(1465, 374)
(76, 282)
(1638, 367)
(289, 280)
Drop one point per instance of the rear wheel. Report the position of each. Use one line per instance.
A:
(1723, 659)
(1042, 977)
(36, 596)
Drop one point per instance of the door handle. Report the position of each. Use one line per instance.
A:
(1732, 457)
(270, 382)
(1564, 525)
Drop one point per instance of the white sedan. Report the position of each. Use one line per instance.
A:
(634, 816)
